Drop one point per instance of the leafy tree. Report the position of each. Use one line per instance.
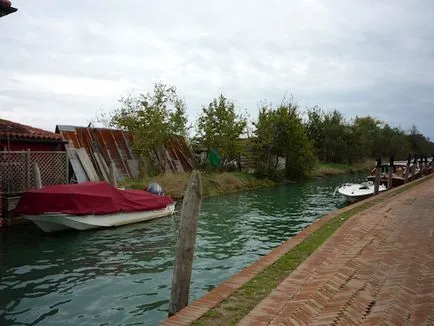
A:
(152, 118)
(315, 130)
(280, 133)
(335, 140)
(264, 140)
(419, 144)
(220, 127)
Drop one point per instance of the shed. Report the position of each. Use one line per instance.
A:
(21, 147)
(18, 137)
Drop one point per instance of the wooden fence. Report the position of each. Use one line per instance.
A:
(16, 170)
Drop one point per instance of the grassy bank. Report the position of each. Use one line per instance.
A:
(217, 183)
(213, 183)
(327, 169)
(236, 306)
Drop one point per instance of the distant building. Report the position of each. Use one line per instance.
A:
(22, 147)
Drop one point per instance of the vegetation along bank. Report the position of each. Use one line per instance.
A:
(284, 142)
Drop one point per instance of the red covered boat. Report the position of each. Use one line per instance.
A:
(90, 205)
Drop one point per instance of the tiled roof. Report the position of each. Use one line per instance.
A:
(17, 130)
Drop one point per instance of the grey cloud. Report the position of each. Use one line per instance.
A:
(358, 57)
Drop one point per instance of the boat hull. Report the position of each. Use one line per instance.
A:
(354, 191)
(55, 222)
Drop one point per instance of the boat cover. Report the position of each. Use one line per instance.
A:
(88, 198)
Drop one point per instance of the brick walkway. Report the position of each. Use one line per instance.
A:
(377, 269)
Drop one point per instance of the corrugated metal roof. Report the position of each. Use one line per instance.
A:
(105, 145)
(17, 130)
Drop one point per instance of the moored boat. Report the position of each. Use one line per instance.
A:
(358, 191)
(90, 205)
(398, 173)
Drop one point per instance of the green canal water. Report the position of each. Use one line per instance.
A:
(122, 276)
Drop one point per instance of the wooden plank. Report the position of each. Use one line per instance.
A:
(37, 176)
(124, 166)
(77, 167)
(101, 166)
(127, 145)
(113, 174)
(87, 164)
(186, 244)
(134, 167)
(104, 163)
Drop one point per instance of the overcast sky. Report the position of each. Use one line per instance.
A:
(62, 62)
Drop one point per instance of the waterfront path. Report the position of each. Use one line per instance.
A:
(377, 269)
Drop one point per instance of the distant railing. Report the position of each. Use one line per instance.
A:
(16, 170)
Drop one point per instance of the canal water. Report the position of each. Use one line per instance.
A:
(122, 276)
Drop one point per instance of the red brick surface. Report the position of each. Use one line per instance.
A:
(377, 269)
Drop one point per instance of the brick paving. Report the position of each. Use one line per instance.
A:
(377, 269)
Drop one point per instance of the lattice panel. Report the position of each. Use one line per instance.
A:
(13, 172)
(53, 167)
(16, 170)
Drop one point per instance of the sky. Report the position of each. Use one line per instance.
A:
(65, 62)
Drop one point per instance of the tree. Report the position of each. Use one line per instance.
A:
(335, 140)
(315, 130)
(280, 133)
(419, 144)
(152, 118)
(220, 127)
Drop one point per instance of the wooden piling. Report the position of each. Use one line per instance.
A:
(421, 166)
(377, 176)
(413, 169)
(186, 243)
(113, 175)
(407, 169)
(390, 175)
(37, 175)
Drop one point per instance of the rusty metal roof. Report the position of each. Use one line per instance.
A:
(114, 145)
(17, 130)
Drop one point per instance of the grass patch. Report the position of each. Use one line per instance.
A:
(240, 303)
(213, 183)
(323, 169)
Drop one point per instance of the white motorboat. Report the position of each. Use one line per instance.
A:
(90, 205)
(357, 191)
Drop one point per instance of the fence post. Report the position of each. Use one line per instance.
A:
(185, 245)
(28, 169)
(37, 175)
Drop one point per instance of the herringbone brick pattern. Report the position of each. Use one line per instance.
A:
(377, 269)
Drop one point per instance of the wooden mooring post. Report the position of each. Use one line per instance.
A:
(390, 175)
(422, 166)
(413, 168)
(185, 245)
(37, 175)
(407, 169)
(377, 176)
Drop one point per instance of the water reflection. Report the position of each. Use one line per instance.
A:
(122, 276)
